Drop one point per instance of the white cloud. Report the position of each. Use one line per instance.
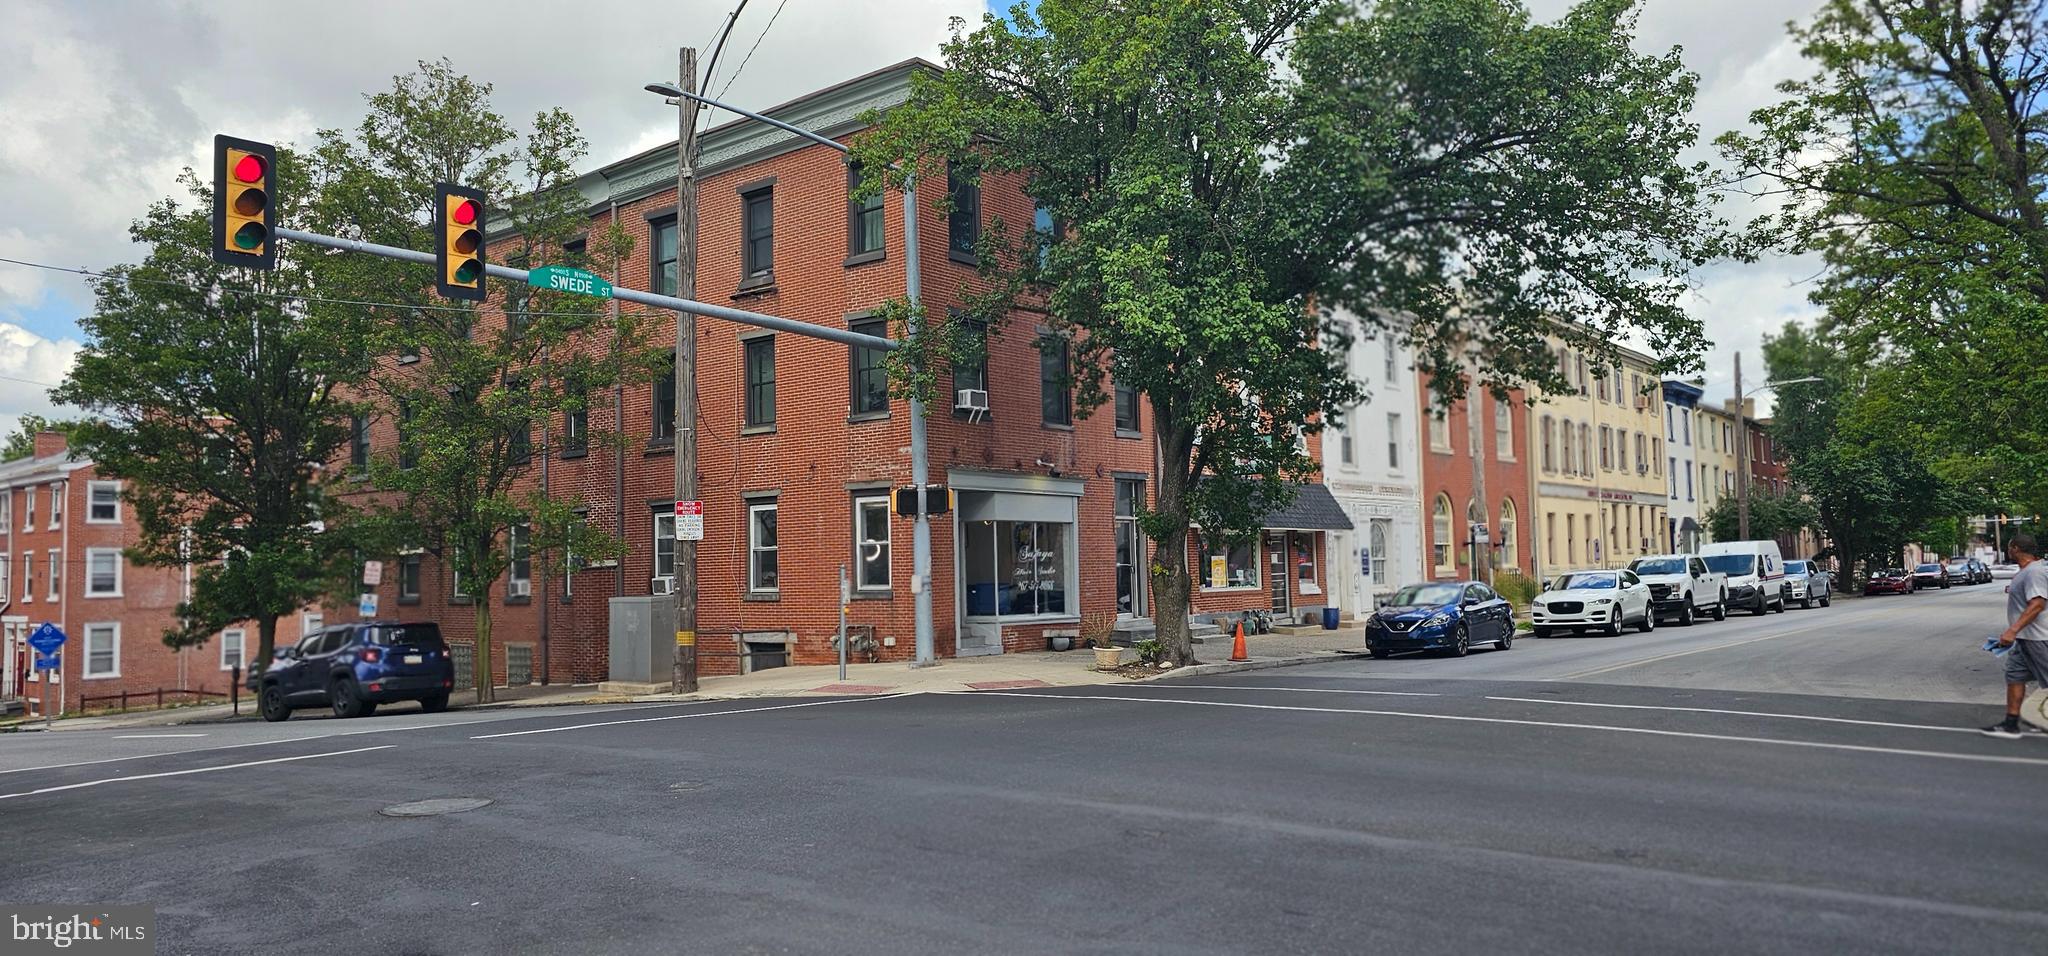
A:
(29, 365)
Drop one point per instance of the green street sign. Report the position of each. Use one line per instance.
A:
(572, 281)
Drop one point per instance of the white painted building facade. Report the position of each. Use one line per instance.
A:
(1372, 465)
(1687, 510)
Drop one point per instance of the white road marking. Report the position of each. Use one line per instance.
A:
(1291, 690)
(1814, 744)
(1741, 713)
(721, 713)
(153, 736)
(180, 773)
(302, 739)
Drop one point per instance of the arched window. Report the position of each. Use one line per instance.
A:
(1505, 557)
(1549, 430)
(1585, 449)
(1569, 469)
(1440, 541)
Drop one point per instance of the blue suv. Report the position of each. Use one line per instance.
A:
(1446, 617)
(354, 667)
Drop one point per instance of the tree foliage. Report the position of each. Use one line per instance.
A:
(22, 443)
(1915, 160)
(1224, 174)
(218, 400)
(474, 403)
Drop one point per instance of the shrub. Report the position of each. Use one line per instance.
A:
(1519, 589)
(1150, 651)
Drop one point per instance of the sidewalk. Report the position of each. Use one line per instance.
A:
(997, 672)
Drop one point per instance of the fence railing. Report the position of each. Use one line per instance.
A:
(144, 696)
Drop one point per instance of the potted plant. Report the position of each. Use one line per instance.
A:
(1099, 631)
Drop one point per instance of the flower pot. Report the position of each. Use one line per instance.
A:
(1108, 657)
(1061, 642)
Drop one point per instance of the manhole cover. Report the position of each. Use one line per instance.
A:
(434, 807)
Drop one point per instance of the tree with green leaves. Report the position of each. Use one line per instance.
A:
(22, 443)
(1223, 174)
(474, 399)
(1915, 161)
(1770, 516)
(218, 399)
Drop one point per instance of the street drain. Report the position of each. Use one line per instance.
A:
(435, 807)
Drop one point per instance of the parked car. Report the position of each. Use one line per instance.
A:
(1808, 583)
(1755, 570)
(2002, 571)
(1683, 587)
(354, 667)
(1957, 571)
(1580, 600)
(1929, 575)
(1889, 581)
(1447, 617)
(1980, 573)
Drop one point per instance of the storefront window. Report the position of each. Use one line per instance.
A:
(1017, 568)
(1240, 565)
(1304, 563)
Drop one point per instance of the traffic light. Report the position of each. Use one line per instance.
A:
(938, 500)
(459, 242)
(244, 216)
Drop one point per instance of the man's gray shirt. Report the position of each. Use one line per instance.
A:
(2031, 582)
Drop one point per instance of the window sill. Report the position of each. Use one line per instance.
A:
(754, 287)
(90, 596)
(973, 417)
(462, 599)
(1129, 433)
(517, 601)
(408, 360)
(660, 446)
(874, 595)
(1057, 426)
(863, 258)
(408, 602)
(572, 455)
(764, 595)
(857, 417)
(758, 429)
(964, 258)
(1239, 589)
(100, 676)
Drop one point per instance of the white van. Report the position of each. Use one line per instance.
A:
(1755, 570)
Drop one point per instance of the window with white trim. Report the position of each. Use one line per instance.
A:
(664, 543)
(519, 550)
(232, 648)
(311, 621)
(28, 576)
(103, 502)
(1439, 432)
(3, 576)
(454, 564)
(28, 508)
(6, 506)
(103, 572)
(56, 574)
(1240, 566)
(56, 504)
(871, 542)
(1503, 431)
(763, 570)
(1394, 441)
(102, 650)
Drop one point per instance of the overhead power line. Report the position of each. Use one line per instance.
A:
(750, 50)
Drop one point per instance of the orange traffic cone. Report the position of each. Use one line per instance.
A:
(1237, 651)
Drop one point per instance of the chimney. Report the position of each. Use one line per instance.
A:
(51, 443)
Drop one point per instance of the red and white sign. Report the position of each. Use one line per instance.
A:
(689, 521)
(373, 573)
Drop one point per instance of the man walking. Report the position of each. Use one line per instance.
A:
(2026, 632)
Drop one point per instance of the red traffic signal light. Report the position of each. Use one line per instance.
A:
(243, 213)
(459, 242)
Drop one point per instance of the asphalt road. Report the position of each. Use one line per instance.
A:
(1412, 806)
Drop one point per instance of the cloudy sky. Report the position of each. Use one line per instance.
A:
(101, 112)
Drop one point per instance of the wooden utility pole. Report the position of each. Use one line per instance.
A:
(685, 679)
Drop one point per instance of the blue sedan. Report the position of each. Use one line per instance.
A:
(1447, 617)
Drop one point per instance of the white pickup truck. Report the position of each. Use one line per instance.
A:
(1682, 586)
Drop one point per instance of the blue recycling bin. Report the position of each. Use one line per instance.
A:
(1329, 619)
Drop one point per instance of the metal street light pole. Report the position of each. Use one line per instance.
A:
(1742, 443)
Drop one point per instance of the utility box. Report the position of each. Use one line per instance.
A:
(643, 644)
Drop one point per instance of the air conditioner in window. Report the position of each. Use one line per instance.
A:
(662, 586)
(970, 400)
(519, 588)
(1642, 469)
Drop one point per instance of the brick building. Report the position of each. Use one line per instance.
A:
(799, 440)
(62, 532)
(1450, 507)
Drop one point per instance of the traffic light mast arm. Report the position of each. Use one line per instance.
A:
(742, 316)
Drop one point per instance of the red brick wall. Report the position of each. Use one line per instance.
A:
(1451, 474)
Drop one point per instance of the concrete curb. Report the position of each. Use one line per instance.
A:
(1230, 667)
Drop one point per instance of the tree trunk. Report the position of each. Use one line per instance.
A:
(480, 667)
(1170, 586)
(266, 645)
